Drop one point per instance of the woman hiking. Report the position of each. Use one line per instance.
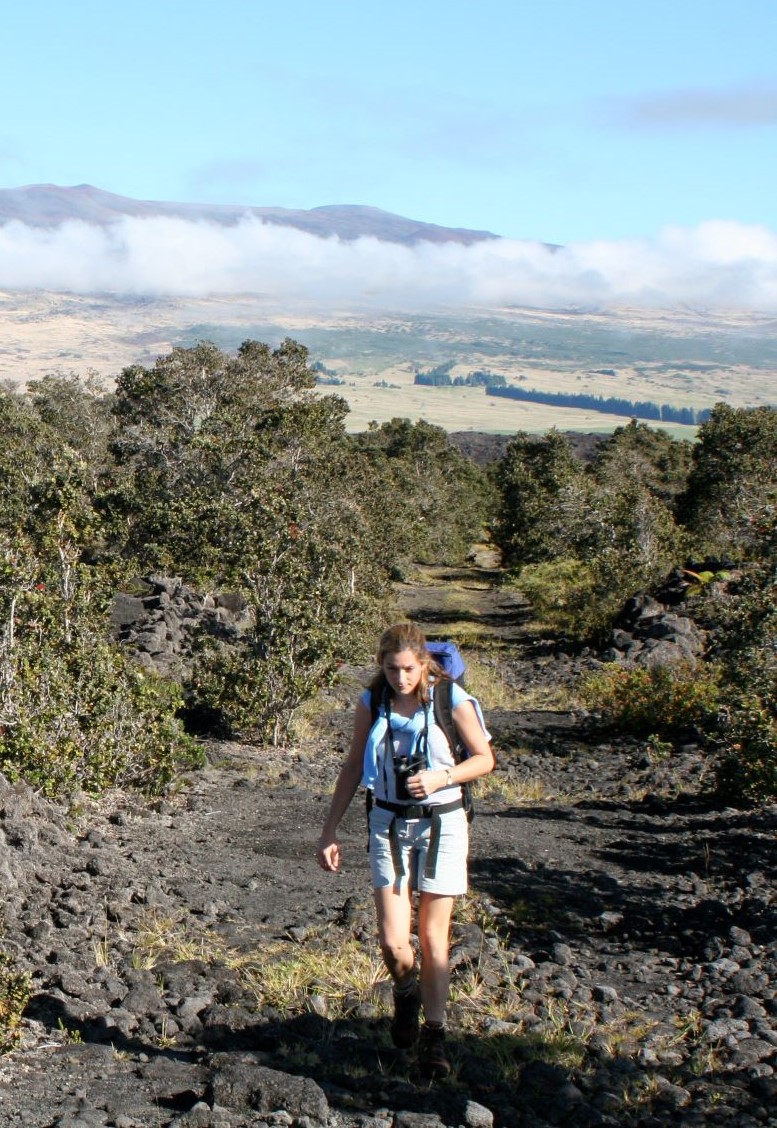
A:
(419, 833)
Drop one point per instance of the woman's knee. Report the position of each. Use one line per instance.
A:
(394, 948)
(434, 919)
(435, 945)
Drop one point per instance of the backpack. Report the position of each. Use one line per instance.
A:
(448, 657)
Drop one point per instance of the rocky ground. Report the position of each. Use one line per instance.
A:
(192, 966)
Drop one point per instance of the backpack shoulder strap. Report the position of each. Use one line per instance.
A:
(379, 695)
(443, 715)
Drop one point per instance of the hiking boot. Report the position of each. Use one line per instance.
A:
(404, 1025)
(432, 1059)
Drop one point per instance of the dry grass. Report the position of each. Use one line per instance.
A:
(502, 790)
(161, 938)
(15, 992)
(326, 974)
(47, 332)
(310, 715)
(330, 978)
(334, 976)
(487, 682)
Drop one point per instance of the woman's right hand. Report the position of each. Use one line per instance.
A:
(328, 854)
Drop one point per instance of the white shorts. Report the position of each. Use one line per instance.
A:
(403, 861)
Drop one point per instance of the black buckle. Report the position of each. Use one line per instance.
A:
(413, 811)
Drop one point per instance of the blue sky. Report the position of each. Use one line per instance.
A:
(560, 120)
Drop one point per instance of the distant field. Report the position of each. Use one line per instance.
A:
(466, 409)
(681, 357)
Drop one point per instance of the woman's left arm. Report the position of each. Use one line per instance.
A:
(480, 758)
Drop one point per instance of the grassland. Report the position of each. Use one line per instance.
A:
(679, 357)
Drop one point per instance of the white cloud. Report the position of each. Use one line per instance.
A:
(717, 264)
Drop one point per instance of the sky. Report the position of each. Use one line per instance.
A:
(638, 136)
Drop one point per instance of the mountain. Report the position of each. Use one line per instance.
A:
(49, 205)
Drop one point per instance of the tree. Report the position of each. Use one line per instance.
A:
(732, 486)
(237, 473)
(646, 455)
(187, 431)
(744, 628)
(74, 712)
(78, 412)
(427, 501)
(539, 492)
(581, 540)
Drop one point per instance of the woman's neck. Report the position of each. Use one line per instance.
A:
(406, 704)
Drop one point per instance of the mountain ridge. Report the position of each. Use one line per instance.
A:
(51, 205)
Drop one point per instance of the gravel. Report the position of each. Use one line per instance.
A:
(615, 966)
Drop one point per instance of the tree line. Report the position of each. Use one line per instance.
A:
(496, 385)
(611, 405)
(440, 377)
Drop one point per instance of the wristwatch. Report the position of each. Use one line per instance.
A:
(448, 778)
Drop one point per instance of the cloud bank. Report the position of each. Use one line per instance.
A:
(719, 264)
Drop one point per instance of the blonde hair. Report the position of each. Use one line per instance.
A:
(406, 636)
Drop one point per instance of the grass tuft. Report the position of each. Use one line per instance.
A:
(15, 990)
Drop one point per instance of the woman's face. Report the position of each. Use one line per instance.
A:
(403, 671)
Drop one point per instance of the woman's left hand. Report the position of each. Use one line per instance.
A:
(425, 783)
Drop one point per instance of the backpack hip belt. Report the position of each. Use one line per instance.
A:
(419, 810)
(433, 811)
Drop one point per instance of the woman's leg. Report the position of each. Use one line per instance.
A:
(394, 912)
(394, 919)
(434, 922)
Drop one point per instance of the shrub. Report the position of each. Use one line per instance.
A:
(747, 764)
(565, 595)
(81, 715)
(660, 700)
(732, 485)
(252, 691)
(75, 712)
(744, 630)
(538, 484)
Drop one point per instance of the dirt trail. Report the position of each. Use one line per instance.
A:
(466, 601)
(631, 926)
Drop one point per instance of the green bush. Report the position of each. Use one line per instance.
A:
(732, 484)
(747, 763)
(80, 714)
(580, 598)
(302, 622)
(583, 538)
(75, 711)
(743, 630)
(252, 693)
(563, 594)
(659, 700)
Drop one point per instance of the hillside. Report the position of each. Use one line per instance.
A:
(97, 281)
(49, 205)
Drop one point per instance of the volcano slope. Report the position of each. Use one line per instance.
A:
(190, 965)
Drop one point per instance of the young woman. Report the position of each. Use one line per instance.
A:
(419, 835)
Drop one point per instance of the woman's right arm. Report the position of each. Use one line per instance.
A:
(328, 852)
